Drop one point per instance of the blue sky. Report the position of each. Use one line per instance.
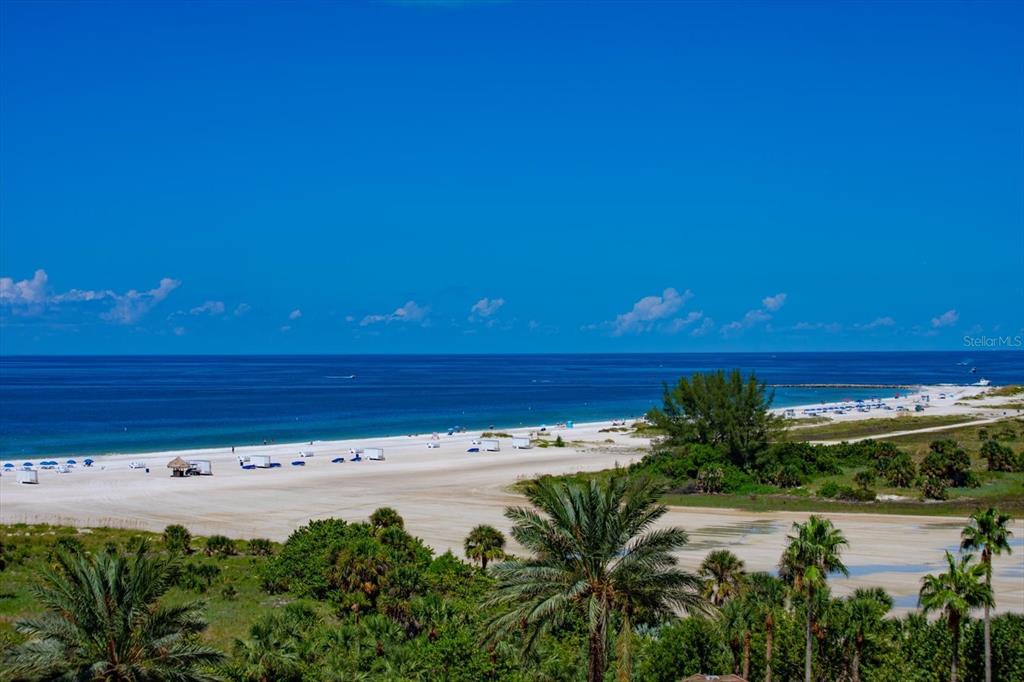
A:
(509, 177)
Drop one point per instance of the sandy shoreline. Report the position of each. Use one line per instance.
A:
(442, 492)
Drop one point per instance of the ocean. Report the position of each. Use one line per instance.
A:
(104, 404)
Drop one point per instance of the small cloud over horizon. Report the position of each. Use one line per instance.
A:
(208, 308)
(32, 297)
(648, 311)
(946, 319)
(410, 312)
(485, 307)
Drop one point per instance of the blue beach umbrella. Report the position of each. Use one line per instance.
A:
(87, 461)
(27, 464)
(70, 461)
(337, 460)
(8, 465)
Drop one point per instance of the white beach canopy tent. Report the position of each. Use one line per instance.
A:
(28, 476)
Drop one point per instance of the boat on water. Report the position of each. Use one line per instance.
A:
(982, 382)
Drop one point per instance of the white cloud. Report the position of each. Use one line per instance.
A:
(751, 319)
(877, 322)
(410, 312)
(486, 307)
(242, 309)
(132, 305)
(946, 319)
(295, 314)
(179, 331)
(832, 327)
(754, 317)
(26, 292)
(706, 326)
(649, 310)
(681, 323)
(773, 303)
(208, 308)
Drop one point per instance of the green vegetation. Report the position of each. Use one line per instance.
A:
(868, 428)
(988, 531)
(726, 412)
(103, 620)
(999, 392)
(495, 434)
(484, 543)
(955, 593)
(811, 555)
(707, 421)
(592, 552)
(597, 592)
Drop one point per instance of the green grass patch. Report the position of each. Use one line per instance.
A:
(28, 548)
(868, 428)
(998, 392)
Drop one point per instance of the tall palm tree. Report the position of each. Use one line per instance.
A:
(955, 592)
(723, 572)
(592, 550)
(811, 555)
(736, 621)
(864, 611)
(987, 531)
(766, 596)
(485, 543)
(104, 621)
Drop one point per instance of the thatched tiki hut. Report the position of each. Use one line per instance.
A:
(178, 466)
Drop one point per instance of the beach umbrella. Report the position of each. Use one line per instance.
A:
(27, 464)
(88, 461)
(70, 461)
(337, 460)
(8, 465)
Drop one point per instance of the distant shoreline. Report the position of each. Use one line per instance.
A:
(347, 441)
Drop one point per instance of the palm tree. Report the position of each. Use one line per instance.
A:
(104, 622)
(386, 517)
(485, 543)
(955, 592)
(811, 555)
(988, 532)
(864, 611)
(724, 574)
(592, 550)
(766, 596)
(736, 620)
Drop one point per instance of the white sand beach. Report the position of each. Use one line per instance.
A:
(444, 491)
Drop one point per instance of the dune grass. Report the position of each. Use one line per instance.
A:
(867, 428)
(27, 548)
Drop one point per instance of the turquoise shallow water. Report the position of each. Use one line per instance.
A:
(60, 405)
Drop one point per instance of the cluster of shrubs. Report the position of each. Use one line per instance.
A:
(1001, 457)
(704, 468)
(178, 540)
(708, 469)
(833, 490)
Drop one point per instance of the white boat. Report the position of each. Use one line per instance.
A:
(983, 382)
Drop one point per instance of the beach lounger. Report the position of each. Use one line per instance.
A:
(473, 450)
(298, 463)
(337, 460)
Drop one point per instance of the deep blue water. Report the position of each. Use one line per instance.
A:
(58, 405)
